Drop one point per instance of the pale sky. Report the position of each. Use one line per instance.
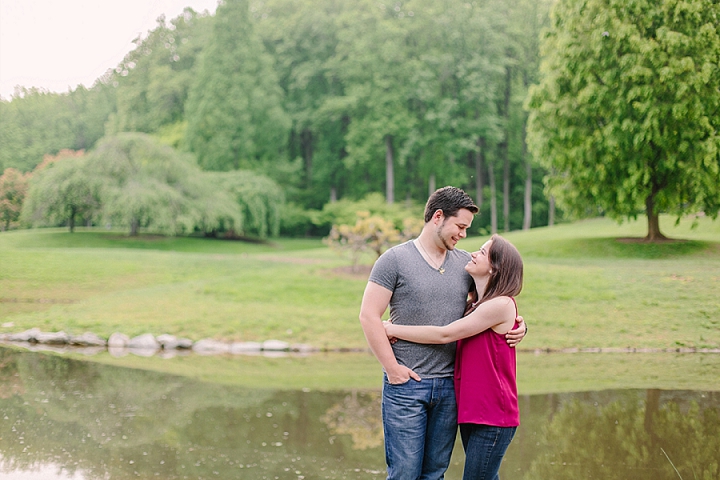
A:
(60, 44)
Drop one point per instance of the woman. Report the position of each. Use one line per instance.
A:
(485, 380)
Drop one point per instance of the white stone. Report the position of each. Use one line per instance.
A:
(184, 343)
(245, 347)
(26, 336)
(87, 339)
(168, 342)
(145, 341)
(275, 345)
(118, 340)
(209, 345)
(55, 338)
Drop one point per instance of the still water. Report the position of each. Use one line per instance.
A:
(63, 418)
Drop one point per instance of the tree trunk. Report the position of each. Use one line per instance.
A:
(551, 211)
(306, 140)
(654, 234)
(504, 150)
(527, 217)
(506, 192)
(134, 227)
(431, 184)
(493, 199)
(479, 161)
(389, 172)
(333, 194)
(71, 220)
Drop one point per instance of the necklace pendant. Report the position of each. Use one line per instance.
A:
(441, 270)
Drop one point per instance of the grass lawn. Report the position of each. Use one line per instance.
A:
(537, 373)
(583, 286)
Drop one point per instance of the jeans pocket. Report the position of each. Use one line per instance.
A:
(387, 382)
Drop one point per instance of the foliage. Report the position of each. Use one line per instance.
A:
(150, 185)
(234, 114)
(345, 211)
(13, 187)
(296, 221)
(63, 191)
(369, 234)
(35, 123)
(261, 201)
(302, 38)
(153, 79)
(626, 114)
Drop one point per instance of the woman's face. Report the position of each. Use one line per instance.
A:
(479, 264)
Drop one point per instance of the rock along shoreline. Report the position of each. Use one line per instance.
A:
(119, 344)
(165, 345)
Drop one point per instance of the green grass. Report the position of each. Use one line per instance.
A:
(537, 373)
(583, 287)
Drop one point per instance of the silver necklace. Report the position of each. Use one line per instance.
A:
(440, 268)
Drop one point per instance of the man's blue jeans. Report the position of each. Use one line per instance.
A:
(420, 423)
(484, 447)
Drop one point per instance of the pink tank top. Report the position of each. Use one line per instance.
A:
(485, 380)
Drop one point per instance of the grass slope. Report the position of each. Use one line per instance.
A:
(583, 287)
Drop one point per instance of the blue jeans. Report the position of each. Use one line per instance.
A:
(420, 423)
(485, 448)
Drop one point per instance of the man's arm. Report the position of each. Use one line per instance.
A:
(374, 303)
(515, 336)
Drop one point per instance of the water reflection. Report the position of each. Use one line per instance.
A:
(72, 419)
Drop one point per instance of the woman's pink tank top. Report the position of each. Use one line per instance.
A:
(485, 380)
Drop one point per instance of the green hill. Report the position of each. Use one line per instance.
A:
(586, 286)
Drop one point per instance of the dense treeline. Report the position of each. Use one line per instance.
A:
(329, 100)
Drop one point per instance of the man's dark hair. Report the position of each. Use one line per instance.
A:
(449, 200)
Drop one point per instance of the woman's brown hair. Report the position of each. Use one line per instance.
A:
(506, 278)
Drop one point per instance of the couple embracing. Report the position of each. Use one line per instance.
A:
(447, 348)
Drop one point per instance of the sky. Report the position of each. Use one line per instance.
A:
(60, 44)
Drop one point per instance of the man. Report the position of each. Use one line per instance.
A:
(424, 282)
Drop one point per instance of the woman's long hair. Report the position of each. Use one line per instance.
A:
(506, 278)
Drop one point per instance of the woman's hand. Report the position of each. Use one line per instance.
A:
(388, 325)
(515, 336)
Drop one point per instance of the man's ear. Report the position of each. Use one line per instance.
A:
(438, 215)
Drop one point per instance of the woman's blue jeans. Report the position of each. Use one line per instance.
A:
(420, 423)
(485, 448)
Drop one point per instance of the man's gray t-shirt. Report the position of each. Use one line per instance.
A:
(423, 296)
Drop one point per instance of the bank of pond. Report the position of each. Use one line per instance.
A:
(65, 417)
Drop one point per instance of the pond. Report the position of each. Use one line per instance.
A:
(64, 417)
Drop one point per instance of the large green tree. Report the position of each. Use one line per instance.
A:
(33, 123)
(234, 109)
(36, 122)
(375, 63)
(150, 185)
(301, 36)
(628, 109)
(62, 192)
(153, 79)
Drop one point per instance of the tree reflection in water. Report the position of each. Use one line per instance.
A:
(93, 421)
(639, 434)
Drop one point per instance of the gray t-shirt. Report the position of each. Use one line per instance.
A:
(423, 296)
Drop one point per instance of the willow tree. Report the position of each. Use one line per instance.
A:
(628, 109)
(63, 192)
(149, 185)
